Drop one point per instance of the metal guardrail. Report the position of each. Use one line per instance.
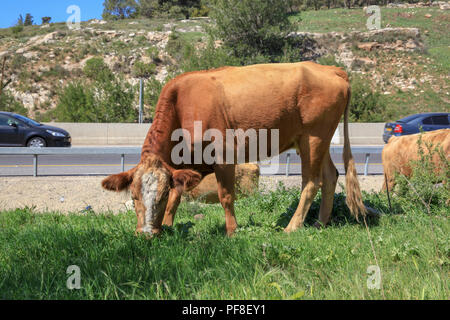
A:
(35, 152)
(123, 151)
(367, 150)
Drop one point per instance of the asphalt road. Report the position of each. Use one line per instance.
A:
(106, 164)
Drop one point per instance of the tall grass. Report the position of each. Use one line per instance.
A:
(195, 260)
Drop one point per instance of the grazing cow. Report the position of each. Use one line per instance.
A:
(247, 182)
(302, 102)
(400, 151)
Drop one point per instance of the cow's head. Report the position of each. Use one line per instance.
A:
(150, 183)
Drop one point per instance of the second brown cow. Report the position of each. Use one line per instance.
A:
(400, 151)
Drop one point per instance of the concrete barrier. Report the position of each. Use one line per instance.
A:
(363, 133)
(105, 133)
(134, 134)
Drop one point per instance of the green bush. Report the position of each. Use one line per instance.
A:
(168, 8)
(76, 104)
(18, 62)
(366, 105)
(56, 71)
(108, 100)
(17, 29)
(153, 53)
(253, 28)
(143, 70)
(203, 11)
(191, 59)
(329, 60)
(96, 69)
(9, 104)
(151, 94)
(208, 58)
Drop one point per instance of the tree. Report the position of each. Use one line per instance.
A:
(46, 20)
(105, 98)
(20, 20)
(28, 20)
(366, 105)
(175, 8)
(148, 8)
(253, 28)
(119, 9)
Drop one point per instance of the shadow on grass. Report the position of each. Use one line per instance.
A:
(340, 215)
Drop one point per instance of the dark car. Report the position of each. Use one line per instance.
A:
(415, 123)
(20, 131)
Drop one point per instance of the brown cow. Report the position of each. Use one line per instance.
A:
(303, 102)
(400, 151)
(247, 182)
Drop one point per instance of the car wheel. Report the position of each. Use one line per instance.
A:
(36, 142)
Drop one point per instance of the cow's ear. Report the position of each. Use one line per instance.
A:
(186, 179)
(118, 182)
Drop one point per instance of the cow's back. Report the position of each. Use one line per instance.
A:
(292, 98)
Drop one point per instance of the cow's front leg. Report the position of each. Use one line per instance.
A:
(225, 175)
(172, 206)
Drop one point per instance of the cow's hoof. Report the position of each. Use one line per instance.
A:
(318, 225)
(289, 230)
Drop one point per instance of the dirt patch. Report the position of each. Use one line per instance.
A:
(75, 194)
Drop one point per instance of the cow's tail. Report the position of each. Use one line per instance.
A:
(354, 196)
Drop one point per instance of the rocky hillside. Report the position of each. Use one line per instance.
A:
(405, 60)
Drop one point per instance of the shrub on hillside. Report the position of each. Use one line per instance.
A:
(191, 59)
(102, 101)
(143, 70)
(9, 104)
(367, 105)
(202, 11)
(253, 28)
(17, 29)
(96, 69)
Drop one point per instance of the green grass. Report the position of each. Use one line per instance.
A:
(195, 260)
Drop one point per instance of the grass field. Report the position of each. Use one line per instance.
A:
(195, 260)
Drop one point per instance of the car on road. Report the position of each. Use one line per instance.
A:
(415, 123)
(19, 131)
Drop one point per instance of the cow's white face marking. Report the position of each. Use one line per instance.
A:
(149, 189)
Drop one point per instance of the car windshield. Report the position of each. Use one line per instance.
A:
(26, 120)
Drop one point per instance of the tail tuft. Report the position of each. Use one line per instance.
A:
(354, 196)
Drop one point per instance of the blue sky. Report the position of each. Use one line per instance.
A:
(11, 9)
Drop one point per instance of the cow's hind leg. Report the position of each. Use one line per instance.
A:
(225, 175)
(312, 152)
(329, 180)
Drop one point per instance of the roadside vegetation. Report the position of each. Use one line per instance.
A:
(195, 259)
(401, 82)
